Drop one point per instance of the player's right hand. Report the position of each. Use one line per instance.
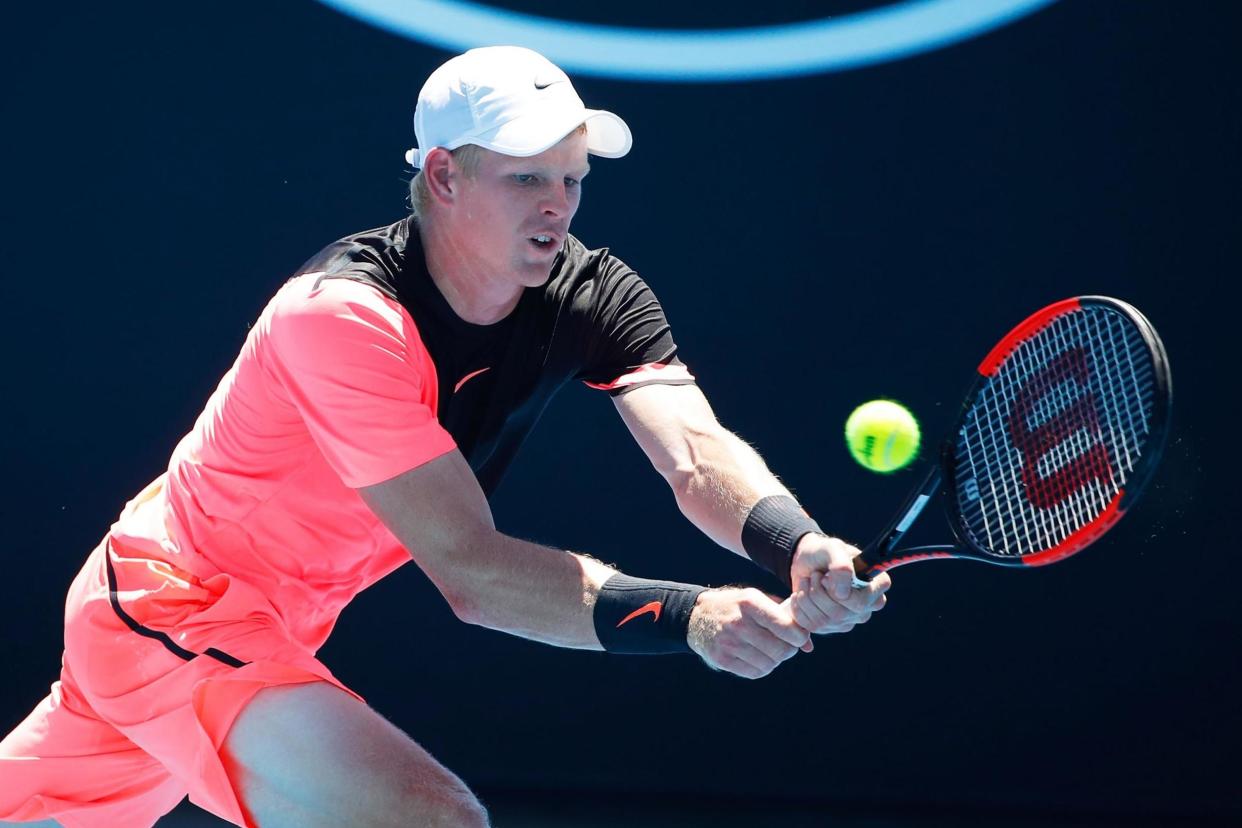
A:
(744, 631)
(824, 599)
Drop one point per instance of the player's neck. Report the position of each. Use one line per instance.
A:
(471, 288)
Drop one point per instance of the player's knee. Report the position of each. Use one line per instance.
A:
(458, 809)
(437, 797)
(469, 814)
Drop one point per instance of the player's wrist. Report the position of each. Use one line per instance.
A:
(773, 532)
(809, 544)
(808, 554)
(641, 616)
(700, 627)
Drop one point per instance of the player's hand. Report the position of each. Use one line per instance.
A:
(744, 631)
(824, 599)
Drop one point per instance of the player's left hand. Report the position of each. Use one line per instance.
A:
(824, 599)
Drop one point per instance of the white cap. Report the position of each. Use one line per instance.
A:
(510, 100)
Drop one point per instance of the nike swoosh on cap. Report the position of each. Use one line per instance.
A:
(544, 83)
(654, 608)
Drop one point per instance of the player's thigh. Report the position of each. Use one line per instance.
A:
(310, 754)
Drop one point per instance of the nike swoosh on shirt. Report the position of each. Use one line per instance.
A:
(469, 377)
(654, 608)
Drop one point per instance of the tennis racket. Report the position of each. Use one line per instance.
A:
(1055, 441)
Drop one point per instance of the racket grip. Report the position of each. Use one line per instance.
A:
(863, 573)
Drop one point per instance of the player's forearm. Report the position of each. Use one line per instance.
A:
(526, 589)
(720, 482)
(438, 512)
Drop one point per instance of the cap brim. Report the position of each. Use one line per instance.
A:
(415, 158)
(607, 135)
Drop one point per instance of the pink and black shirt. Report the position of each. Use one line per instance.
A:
(594, 320)
(357, 371)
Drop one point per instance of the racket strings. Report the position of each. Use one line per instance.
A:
(1052, 438)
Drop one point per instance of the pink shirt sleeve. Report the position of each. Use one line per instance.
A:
(355, 368)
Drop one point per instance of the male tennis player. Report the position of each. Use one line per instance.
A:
(373, 407)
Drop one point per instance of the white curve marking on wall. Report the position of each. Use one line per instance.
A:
(895, 31)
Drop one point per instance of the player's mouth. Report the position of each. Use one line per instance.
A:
(545, 242)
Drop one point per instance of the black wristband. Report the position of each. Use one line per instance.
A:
(772, 531)
(634, 615)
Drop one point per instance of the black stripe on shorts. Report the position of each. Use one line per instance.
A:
(163, 638)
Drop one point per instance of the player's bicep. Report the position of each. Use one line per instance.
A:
(439, 513)
(669, 423)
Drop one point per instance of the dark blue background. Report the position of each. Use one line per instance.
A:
(816, 242)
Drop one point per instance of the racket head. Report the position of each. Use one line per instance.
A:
(1060, 433)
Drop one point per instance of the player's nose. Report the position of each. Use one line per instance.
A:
(556, 201)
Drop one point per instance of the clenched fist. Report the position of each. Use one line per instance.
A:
(824, 600)
(744, 631)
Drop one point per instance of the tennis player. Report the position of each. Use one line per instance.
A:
(373, 408)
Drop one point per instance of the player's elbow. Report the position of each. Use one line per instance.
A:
(683, 479)
(468, 604)
(460, 574)
(465, 607)
(478, 612)
(466, 597)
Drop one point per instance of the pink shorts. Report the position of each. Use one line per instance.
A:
(155, 671)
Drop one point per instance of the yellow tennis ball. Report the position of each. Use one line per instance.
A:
(882, 435)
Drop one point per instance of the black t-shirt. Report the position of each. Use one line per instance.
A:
(594, 320)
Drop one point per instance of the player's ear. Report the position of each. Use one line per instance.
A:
(441, 174)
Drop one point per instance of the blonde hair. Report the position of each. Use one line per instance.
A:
(466, 157)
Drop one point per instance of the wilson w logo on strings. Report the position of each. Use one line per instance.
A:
(1055, 425)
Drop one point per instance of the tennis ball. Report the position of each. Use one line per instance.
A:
(882, 435)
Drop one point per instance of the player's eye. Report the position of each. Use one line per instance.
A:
(572, 182)
(523, 178)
